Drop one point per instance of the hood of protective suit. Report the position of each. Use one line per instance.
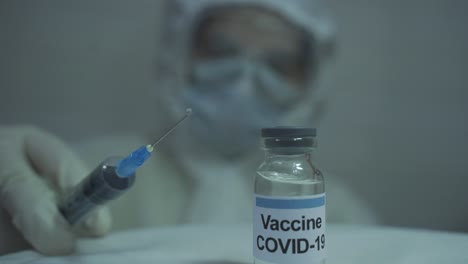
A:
(177, 38)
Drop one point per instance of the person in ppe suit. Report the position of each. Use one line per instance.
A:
(241, 65)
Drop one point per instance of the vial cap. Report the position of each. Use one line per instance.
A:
(289, 140)
(289, 132)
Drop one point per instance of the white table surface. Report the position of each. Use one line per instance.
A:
(233, 245)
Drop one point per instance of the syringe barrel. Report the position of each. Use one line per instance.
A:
(100, 186)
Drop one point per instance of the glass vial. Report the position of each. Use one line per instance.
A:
(289, 200)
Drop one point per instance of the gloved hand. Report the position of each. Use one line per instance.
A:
(36, 169)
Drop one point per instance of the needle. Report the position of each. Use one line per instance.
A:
(188, 112)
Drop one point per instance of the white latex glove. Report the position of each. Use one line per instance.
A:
(36, 169)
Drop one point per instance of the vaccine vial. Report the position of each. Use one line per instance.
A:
(289, 200)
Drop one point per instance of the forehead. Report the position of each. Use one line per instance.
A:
(253, 27)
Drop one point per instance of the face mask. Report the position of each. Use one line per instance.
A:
(232, 99)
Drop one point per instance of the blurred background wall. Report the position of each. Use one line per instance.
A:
(397, 123)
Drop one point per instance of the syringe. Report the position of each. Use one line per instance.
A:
(110, 179)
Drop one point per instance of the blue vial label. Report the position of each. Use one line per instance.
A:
(289, 229)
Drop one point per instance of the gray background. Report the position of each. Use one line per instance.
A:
(396, 130)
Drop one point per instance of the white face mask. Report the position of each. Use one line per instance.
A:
(232, 99)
